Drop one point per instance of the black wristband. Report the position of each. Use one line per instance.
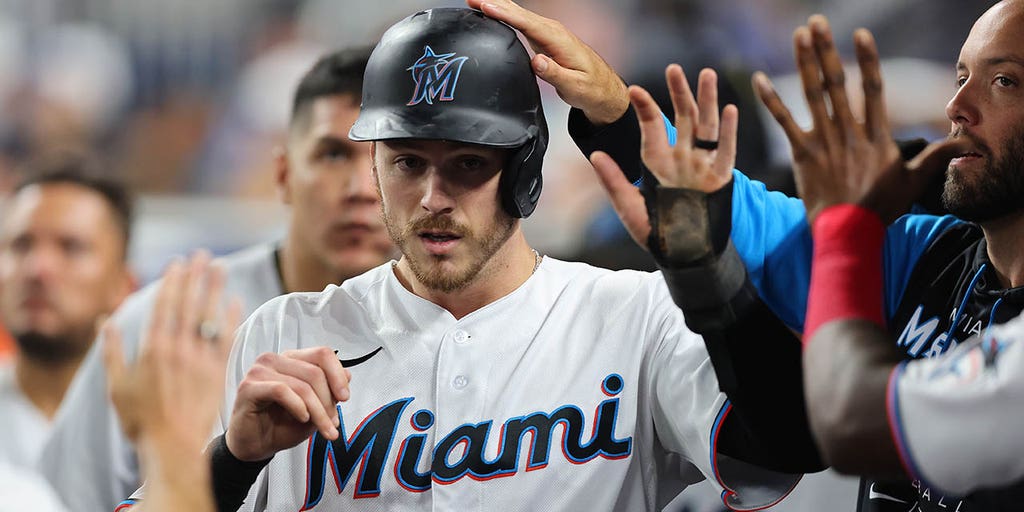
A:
(620, 139)
(231, 477)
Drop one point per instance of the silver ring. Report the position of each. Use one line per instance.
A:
(208, 330)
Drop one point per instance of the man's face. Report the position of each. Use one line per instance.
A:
(330, 187)
(442, 208)
(987, 182)
(61, 268)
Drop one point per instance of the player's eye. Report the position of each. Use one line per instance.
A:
(409, 163)
(1005, 81)
(960, 81)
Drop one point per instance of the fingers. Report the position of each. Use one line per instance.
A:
(810, 77)
(191, 300)
(876, 122)
(832, 75)
(281, 393)
(324, 359)
(164, 314)
(936, 156)
(725, 158)
(683, 104)
(543, 33)
(654, 146)
(766, 93)
(707, 105)
(625, 198)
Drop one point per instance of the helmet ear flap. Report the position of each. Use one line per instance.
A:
(521, 181)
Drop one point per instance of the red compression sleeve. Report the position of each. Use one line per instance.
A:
(846, 273)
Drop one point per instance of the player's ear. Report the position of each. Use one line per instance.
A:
(281, 174)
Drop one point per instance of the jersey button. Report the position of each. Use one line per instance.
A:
(460, 336)
(460, 382)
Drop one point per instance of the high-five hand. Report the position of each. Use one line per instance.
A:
(702, 158)
(841, 159)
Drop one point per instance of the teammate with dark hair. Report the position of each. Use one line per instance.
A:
(63, 267)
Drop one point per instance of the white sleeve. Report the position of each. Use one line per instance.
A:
(87, 459)
(689, 410)
(957, 420)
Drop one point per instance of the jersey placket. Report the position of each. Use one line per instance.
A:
(461, 385)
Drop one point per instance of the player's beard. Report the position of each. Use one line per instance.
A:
(480, 247)
(55, 349)
(997, 192)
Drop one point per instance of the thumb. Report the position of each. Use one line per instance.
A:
(936, 156)
(625, 198)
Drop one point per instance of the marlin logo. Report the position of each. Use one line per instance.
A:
(435, 76)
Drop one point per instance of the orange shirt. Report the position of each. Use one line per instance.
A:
(6, 344)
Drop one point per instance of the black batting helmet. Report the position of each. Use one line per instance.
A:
(457, 75)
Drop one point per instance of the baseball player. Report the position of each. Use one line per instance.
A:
(334, 233)
(943, 280)
(477, 373)
(871, 413)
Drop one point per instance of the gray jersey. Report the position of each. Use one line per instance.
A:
(87, 459)
(957, 419)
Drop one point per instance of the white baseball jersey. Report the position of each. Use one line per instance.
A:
(88, 460)
(581, 390)
(23, 427)
(979, 390)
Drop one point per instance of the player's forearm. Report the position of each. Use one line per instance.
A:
(177, 477)
(847, 365)
(756, 358)
(848, 355)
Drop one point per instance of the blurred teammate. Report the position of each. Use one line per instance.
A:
(63, 267)
(334, 233)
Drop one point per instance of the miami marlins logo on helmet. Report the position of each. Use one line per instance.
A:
(435, 76)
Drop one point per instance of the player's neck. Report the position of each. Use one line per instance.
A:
(43, 382)
(1006, 248)
(301, 271)
(507, 270)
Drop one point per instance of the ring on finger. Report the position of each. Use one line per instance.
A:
(208, 330)
(709, 145)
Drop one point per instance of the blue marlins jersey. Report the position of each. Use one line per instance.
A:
(940, 289)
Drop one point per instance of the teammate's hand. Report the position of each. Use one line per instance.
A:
(684, 165)
(172, 393)
(841, 159)
(285, 398)
(580, 76)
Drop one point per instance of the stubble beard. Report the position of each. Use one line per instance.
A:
(997, 192)
(481, 249)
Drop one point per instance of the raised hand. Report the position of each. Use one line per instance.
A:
(285, 398)
(580, 76)
(171, 395)
(702, 158)
(841, 159)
